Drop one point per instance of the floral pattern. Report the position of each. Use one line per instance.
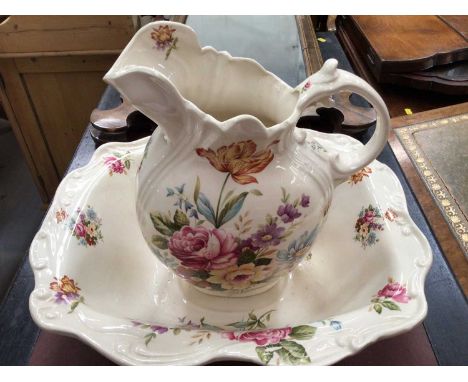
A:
(60, 215)
(281, 343)
(367, 225)
(360, 175)
(118, 163)
(210, 256)
(317, 147)
(391, 215)
(85, 225)
(370, 222)
(306, 87)
(66, 292)
(239, 160)
(202, 248)
(392, 294)
(164, 38)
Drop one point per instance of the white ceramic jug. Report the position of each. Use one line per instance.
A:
(230, 195)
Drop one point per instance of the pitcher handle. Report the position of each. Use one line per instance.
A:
(330, 80)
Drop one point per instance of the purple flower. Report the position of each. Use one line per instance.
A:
(305, 199)
(159, 329)
(246, 244)
(267, 235)
(287, 213)
(65, 298)
(154, 328)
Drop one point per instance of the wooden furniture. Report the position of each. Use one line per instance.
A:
(440, 194)
(424, 52)
(397, 98)
(51, 70)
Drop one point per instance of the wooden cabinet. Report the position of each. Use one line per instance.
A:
(51, 70)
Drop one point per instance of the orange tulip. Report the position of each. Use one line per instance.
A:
(239, 159)
(66, 285)
(163, 36)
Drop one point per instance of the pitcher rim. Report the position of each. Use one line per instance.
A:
(116, 72)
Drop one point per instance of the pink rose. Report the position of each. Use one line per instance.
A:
(115, 164)
(395, 291)
(261, 338)
(80, 230)
(109, 160)
(200, 248)
(369, 217)
(118, 167)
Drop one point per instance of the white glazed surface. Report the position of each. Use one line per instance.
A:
(227, 137)
(121, 280)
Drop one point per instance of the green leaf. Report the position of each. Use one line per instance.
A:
(285, 197)
(247, 256)
(180, 218)
(262, 261)
(227, 196)
(159, 241)
(73, 306)
(378, 308)
(162, 224)
(176, 331)
(269, 219)
(196, 191)
(256, 192)
(303, 332)
(149, 337)
(390, 305)
(240, 324)
(231, 208)
(127, 164)
(252, 316)
(204, 207)
(201, 274)
(292, 353)
(199, 222)
(264, 355)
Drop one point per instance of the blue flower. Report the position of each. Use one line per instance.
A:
(336, 325)
(91, 214)
(188, 205)
(297, 246)
(193, 213)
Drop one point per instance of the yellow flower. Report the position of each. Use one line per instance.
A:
(364, 230)
(240, 276)
(163, 36)
(239, 159)
(66, 285)
(91, 229)
(359, 176)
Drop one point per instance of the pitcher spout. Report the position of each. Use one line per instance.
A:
(166, 75)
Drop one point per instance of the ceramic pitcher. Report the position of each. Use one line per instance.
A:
(230, 195)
